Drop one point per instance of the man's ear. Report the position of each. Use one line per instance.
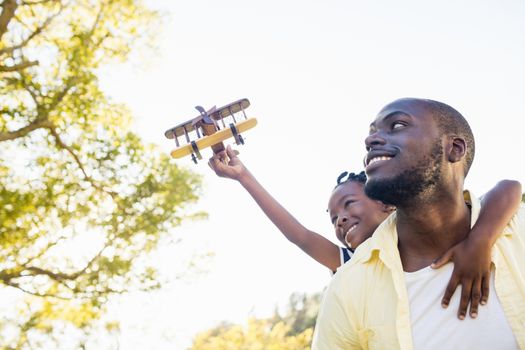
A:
(457, 149)
(387, 208)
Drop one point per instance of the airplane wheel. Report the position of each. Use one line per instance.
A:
(195, 151)
(238, 138)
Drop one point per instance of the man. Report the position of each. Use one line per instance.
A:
(387, 297)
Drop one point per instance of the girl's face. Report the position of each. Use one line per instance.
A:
(355, 216)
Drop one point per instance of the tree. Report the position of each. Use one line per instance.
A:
(293, 331)
(82, 197)
(256, 335)
(300, 314)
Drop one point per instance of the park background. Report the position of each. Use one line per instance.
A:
(316, 73)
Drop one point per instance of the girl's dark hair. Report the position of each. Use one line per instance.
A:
(345, 177)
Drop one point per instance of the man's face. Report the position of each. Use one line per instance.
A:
(405, 153)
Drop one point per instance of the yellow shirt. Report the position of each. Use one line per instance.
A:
(366, 304)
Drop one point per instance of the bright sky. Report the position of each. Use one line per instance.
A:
(316, 73)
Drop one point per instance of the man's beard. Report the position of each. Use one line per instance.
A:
(403, 188)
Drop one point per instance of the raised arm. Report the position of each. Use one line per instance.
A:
(472, 257)
(227, 164)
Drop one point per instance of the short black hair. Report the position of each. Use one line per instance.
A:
(450, 121)
(345, 177)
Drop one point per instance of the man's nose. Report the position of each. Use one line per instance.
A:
(341, 220)
(374, 139)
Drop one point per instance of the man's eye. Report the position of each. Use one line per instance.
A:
(398, 125)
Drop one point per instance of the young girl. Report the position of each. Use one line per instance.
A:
(355, 218)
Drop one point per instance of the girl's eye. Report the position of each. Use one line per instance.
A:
(347, 203)
(333, 220)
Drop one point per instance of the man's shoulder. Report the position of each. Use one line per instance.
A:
(345, 269)
(516, 226)
(354, 267)
(348, 280)
(512, 240)
(360, 264)
(366, 259)
(383, 239)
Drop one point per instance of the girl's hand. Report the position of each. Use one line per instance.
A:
(472, 261)
(226, 164)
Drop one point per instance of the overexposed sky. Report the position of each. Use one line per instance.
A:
(316, 73)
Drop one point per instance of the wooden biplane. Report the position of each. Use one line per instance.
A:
(210, 128)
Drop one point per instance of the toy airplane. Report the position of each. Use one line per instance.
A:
(210, 129)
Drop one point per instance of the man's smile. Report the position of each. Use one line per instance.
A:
(377, 154)
(350, 229)
(377, 159)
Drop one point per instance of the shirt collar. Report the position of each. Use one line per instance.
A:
(475, 205)
(383, 243)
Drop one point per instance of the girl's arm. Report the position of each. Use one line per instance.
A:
(472, 256)
(227, 164)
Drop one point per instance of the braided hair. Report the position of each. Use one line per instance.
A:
(345, 177)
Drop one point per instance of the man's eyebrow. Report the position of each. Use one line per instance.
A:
(396, 114)
(390, 116)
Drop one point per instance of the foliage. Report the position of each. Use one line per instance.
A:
(301, 313)
(293, 331)
(257, 335)
(83, 197)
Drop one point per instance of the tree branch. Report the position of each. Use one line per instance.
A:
(18, 67)
(60, 277)
(97, 20)
(70, 83)
(37, 2)
(43, 295)
(44, 250)
(70, 150)
(57, 276)
(37, 124)
(37, 31)
(8, 12)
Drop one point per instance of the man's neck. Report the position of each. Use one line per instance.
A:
(429, 227)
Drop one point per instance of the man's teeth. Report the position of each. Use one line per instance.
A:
(377, 159)
(353, 227)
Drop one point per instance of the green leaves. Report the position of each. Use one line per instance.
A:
(82, 197)
(294, 330)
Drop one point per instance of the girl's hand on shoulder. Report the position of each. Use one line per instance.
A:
(472, 260)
